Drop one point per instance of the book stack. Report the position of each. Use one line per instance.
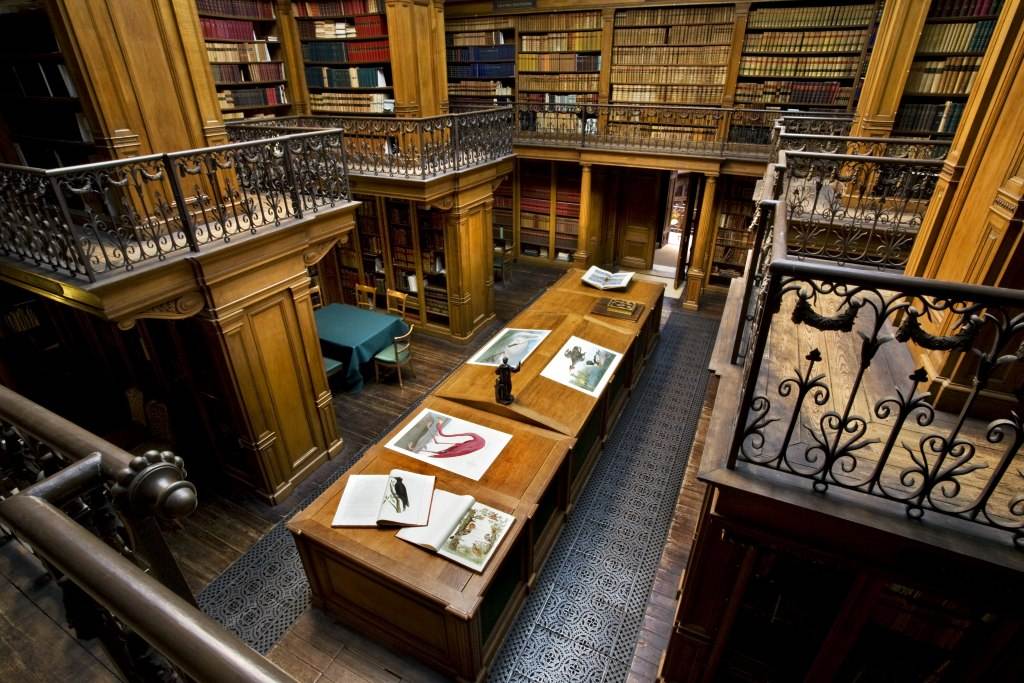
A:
(368, 103)
(327, 8)
(805, 41)
(244, 73)
(239, 8)
(953, 75)
(493, 23)
(668, 75)
(559, 83)
(800, 17)
(669, 94)
(807, 67)
(339, 52)
(929, 118)
(319, 30)
(964, 8)
(589, 41)
(237, 52)
(350, 77)
(675, 15)
(956, 37)
(252, 97)
(229, 29)
(561, 21)
(560, 61)
(480, 89)
(822, 93)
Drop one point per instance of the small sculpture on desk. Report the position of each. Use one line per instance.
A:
(503, 382)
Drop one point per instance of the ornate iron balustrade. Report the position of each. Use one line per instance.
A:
(835, 390)
(413, 148)
(92, 220)
(861, 210)
(807, 123)
(86, 509)
(901, 148)
(700, 131)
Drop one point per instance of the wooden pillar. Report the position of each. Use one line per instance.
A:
(412, 28)
(739, 30)
(294, 64)
(703, 246)
(264, 338)
(440, 67)
(488, 222)
(144, 71)
(891, 56)
(583, 256)
(972, 231)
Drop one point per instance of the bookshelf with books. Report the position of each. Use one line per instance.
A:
(481, 61)
(346, 56)
(398, 217)
(733, 237)
(502, 222)
(567, 211)
(371, 246)
(43, 121)
(559, 57)
(535, 191)
(433, 281)
(949, 53)
(671, 55)
(795, 55)
(243, 46)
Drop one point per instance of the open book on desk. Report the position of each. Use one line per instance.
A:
(461, 529)
(398, 498)
(602, 279)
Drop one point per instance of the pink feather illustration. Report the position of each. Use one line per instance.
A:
(474, 444)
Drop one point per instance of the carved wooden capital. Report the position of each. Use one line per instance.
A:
(185, 306)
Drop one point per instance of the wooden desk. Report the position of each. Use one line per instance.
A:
(419, 602)
(546, 403)
(569, 293)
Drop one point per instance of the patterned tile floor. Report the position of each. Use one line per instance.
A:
(582, 620)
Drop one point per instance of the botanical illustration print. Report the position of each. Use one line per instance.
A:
(582, 365)
(477, 534)
(512, 343)
(452, 444)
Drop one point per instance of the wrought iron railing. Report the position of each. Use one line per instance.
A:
(861, 210)
(92, 220)
(902, 148)
(411, 148)
(835, 389)
(87, 510)
(808, 123)
(700, 131)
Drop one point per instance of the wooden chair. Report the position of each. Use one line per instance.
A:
(396, 302)
(366, 297)
(397, 354)
(502, 259)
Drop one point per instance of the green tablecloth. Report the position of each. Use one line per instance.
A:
(354, 335)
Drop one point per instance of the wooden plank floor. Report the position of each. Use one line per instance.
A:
(37, 645)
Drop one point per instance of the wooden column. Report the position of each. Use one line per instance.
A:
(440, 67)
(739, 30)
(264, 338)
(488, 222)
(145, 73)
(972, 231)
(891, 56)
(469, 253)
(703, 246)
(582, 256)
(412, 39)
(291, 48)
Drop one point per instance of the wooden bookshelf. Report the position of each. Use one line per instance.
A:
(433, 270)
(946, 63)
(43, 121)
(481, 59)
(671, 55)
(243, 46)
(535, 190)
(566, 231)
(346, 56)
(796, 55)
(503, 224)
(370, 246)
(559, 57)
(402, 247)
(733, 236)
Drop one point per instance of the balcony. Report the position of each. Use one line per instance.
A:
(884, 399)
(87, 224)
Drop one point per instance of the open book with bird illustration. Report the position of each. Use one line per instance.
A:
(603, 279)
(399, 498)
(461, 529)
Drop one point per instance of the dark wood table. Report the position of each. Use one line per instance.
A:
(450, 616)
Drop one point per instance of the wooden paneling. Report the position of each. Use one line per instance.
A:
(639, 217)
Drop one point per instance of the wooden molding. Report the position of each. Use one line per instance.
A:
(184, 306)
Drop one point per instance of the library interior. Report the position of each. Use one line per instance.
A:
(428, 340)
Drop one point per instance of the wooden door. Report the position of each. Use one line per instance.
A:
(640, 219)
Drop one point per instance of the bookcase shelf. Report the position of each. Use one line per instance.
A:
(346, 56)
(949, 54)
(733, 236)
(481, 60)
(558, 57)
(677, 55)
(243, 47)
(44, 117)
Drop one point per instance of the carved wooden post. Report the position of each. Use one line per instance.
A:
(703, 248)
(582, 256)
